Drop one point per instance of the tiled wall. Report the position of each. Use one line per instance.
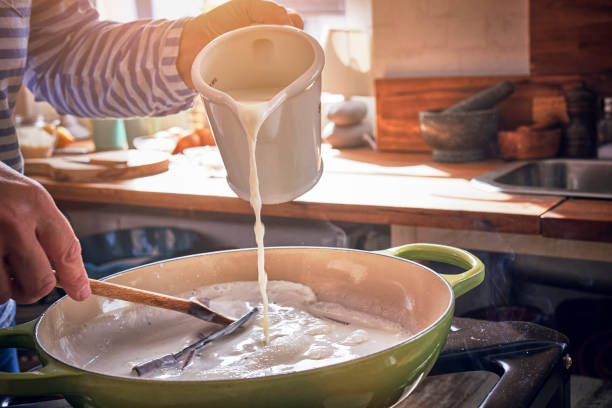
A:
(429, 38)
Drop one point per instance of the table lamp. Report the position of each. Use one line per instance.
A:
(347, 72)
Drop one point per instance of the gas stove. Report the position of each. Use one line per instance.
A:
(530, 360)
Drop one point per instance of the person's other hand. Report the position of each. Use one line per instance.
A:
(234, 14)
(34, 232)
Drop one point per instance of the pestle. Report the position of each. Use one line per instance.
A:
(485, 99)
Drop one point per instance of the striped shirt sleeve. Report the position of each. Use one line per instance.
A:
(14, 32)
(99, 69)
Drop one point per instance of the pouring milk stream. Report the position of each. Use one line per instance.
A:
(254, 106)
(261, 86)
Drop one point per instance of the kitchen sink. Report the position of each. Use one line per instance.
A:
(562, 177)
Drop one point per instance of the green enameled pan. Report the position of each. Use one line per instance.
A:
(384, 282)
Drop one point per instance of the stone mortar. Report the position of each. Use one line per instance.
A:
(459, 136)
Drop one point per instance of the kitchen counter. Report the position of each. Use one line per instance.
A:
(359, 185)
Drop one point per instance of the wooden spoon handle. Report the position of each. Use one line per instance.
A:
(115, 291)
(192, 306)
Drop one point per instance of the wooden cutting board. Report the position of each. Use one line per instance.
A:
(111, 165)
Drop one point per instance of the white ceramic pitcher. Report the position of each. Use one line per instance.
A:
(288, 149)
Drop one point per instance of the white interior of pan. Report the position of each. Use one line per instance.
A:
(79, 333)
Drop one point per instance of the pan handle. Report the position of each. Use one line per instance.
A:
(52, 378)
(462, 282)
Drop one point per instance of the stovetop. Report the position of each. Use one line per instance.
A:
(521, 364)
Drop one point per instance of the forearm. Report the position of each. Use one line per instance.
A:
(101, 69)
(97, 68)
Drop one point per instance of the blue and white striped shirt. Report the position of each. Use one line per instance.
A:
(83, 66)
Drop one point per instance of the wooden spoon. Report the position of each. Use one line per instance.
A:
(191, 306)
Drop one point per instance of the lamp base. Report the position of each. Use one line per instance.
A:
(348, 112)
(347, 136)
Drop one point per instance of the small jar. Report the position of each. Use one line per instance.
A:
(604, 127)
(580, 139)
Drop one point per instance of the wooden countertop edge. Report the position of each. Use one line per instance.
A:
(577, 229)
(452, 219)
(579, 219)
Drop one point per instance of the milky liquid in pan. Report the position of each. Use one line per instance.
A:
(305, 333)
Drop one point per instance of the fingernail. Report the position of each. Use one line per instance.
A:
(84, 292)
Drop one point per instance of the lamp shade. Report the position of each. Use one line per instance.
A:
(348, 63)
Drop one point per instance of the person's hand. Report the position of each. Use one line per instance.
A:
(234, 14)
(34, 233)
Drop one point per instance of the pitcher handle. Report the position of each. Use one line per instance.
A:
(462, 282)
(52, 378)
